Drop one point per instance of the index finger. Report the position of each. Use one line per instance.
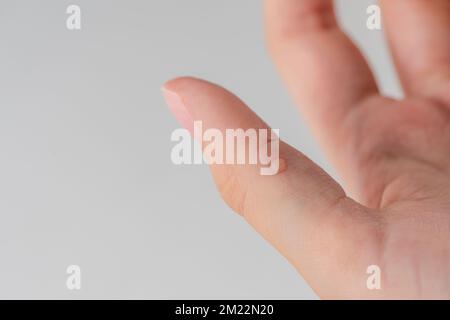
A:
(419, 35)
(324, 71)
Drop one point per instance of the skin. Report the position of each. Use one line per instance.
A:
(394, 156)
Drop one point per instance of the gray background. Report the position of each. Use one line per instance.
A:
(85, 170)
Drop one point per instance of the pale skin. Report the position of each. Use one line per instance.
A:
(393, 210)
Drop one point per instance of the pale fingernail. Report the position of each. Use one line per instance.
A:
(178, 108)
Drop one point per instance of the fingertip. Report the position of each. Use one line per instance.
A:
(180, 84)
(178, 108)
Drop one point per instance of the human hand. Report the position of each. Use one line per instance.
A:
(394, 156)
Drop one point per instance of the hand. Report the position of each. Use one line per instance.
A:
(394, 156)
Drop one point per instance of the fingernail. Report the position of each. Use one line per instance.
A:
(178, 109)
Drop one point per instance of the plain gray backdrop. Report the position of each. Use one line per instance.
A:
(85, 170)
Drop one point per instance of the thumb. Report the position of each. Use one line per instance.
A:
(301, 210)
